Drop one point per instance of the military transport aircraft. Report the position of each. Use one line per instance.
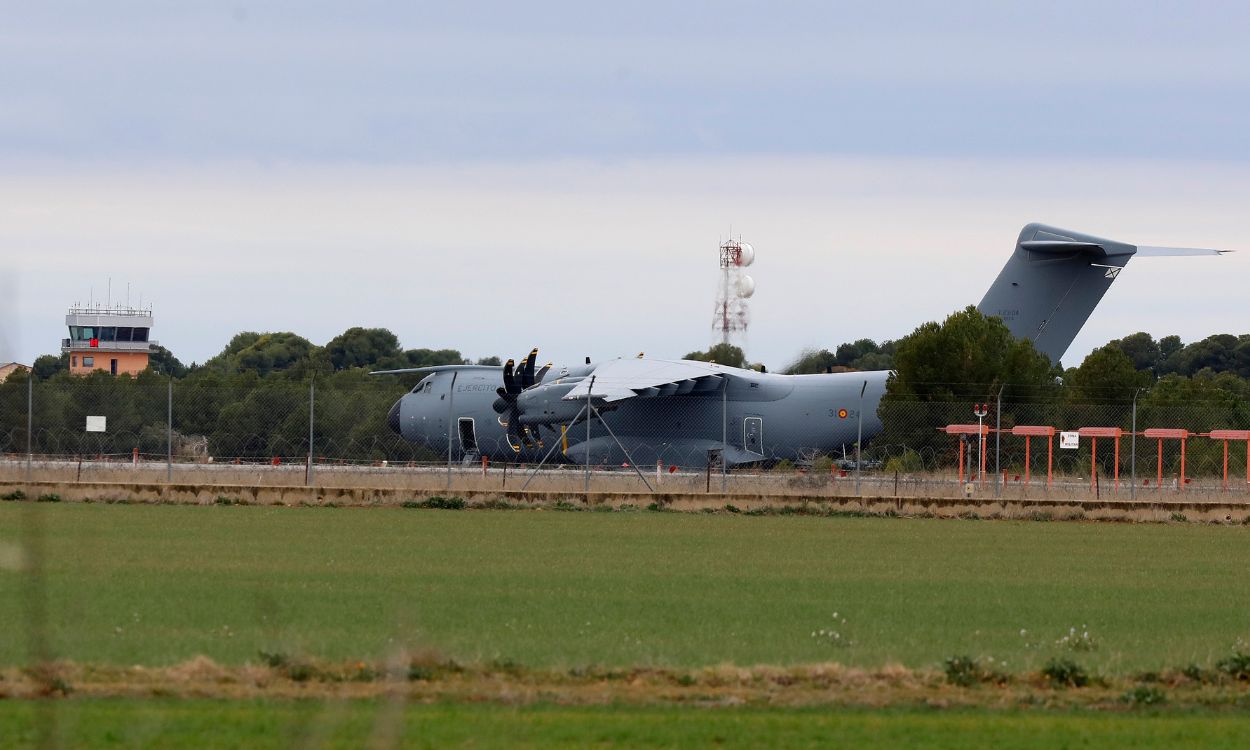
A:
(682, 412)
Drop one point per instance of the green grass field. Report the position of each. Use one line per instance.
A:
(155, 585)
(260, 725)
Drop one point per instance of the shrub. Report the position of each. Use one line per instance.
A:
(907, 463)
(225, 500)
(14, 495)
(1194, 672)
(301, 671)
(962, 671)
(1144, 695)
(50, 497)
(565, 505)
(420, 672)
(1065, 673)
(1236, 666)
(437, 502)
(1179, 517)
(732, 508)
(785, 465)
(273, 659)
(822, 466)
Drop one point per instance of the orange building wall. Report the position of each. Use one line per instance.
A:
(131, 363)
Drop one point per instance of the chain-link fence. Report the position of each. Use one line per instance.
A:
(378, 433)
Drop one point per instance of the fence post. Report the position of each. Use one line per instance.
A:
(589, 416)
(169, 434)
(312, 401)
(724, 435)
(859, 438)
(451, 416)
(30, 421)
(1132, 492)
(998, 442)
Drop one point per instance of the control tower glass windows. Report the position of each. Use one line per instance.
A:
(108, 333)
(82, 333)
(140, 334)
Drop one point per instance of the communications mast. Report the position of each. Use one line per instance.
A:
(732, 315)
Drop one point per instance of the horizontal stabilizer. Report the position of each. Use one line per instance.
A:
(1063, 246)
(1147, 251)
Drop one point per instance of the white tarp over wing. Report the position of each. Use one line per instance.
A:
(624, 378)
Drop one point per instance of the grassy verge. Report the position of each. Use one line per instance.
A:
(280, 724)
(158, 585)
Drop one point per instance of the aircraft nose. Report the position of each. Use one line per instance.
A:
(392, 418)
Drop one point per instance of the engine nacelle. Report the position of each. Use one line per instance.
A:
(545, 404)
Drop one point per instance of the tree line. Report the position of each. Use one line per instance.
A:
(251, 400)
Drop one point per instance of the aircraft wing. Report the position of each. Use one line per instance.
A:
(620, 379)
(437, 368)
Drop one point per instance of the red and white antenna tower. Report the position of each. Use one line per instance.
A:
(732, 315)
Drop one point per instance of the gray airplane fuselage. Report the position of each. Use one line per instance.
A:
(753, 415)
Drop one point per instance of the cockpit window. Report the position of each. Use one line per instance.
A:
(423, 386)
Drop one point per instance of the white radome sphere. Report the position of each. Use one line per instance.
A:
(747, 256)
(746, 286)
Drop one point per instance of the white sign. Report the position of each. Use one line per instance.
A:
(95, 424)
(1069, 440)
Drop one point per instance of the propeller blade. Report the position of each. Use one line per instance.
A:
(509, 383)
(527, 371)
(541, 373)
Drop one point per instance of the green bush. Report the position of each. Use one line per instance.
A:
(275, 659)
(50, 497)
(1236, 666)
(822, 466)
(908, 462)
(1144, 695)
(962, 671)
(1065, 673)
(437, 503)
(1195, 673)
(14, 495)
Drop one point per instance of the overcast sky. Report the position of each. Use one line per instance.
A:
(491, 177)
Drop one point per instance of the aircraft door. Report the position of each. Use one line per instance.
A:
(753, 435)
(468, 436)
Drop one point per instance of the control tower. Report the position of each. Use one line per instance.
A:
(113, 339)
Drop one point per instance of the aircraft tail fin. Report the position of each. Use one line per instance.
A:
(1055, 279)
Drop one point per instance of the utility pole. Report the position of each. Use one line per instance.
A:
(589, 415)
(30, 421)
(169, 433)
(1132, 491)
(451, 416)
(859, 437)
(998, 440)
(981, 410)
(312, 400)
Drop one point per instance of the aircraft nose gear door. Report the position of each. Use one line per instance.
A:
(753, 435)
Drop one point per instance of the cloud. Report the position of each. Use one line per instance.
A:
(603, 257)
